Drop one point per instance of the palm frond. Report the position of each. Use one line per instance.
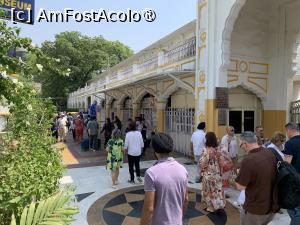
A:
(52, 211)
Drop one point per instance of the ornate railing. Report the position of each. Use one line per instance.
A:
(128, 71)
(185, 50)
(148, 65)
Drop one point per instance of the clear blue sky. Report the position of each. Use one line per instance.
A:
(171, 15)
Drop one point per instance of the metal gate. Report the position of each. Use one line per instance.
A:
(179, 124)
(149, 114)
(295, 112)
(127, 113)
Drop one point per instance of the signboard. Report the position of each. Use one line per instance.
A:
(222, 117)
(221, 98)
(21, 11)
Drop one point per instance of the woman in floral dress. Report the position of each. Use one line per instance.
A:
(115, 155)
(212, 191)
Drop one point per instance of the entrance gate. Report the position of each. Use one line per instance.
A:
(295, 112)
(149, 114)
(179, 124)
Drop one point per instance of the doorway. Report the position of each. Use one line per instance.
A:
(242, 120)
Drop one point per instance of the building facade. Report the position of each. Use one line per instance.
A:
(236, 64)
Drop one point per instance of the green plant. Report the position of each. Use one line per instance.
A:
(52, 211)
(30, 168)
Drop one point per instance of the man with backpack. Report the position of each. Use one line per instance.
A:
(292, 148)
(257, 176)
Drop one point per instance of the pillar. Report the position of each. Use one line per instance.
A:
(107, 110)
(135, 110)
(160, 115)
(120, 111)
(273, 120)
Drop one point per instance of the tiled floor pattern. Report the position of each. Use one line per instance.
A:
(94, 183)
(74, 157)
(124, 207)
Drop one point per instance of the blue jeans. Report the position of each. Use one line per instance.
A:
(295, 215)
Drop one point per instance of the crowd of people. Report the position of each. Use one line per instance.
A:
(218, 166)
(256, 176)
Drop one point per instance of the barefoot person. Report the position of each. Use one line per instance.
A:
(115, 155)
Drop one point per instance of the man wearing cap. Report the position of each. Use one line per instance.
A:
(197, 146)
(166, 192)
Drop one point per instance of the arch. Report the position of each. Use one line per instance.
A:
(141, 95)
(109, 100)
(170, 90)
(121, 101)
(227, 33)
(260, 94)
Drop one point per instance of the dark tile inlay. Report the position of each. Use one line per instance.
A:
(82, 196)
(143, 171)
(99, 214)
(218, 217)
(113, 218)
(120, 199)
(198, 197)
(192, 212)
(141, 191)
(137, 209)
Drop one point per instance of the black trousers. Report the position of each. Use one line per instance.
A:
(134, 161)
(93, 141)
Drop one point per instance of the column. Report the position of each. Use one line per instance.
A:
(107, 111)
(120, 111)
(207, 67)
(160, 115)
(135, 110)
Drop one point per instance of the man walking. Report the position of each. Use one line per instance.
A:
(92, 128)
(292, 149)
(166, 192)
(133, 148)
(229, 141)
(257, 177)
(197, 146)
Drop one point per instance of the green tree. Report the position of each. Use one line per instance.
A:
(81, 56)
(30, 168)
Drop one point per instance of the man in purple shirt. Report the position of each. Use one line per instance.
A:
(166, 191)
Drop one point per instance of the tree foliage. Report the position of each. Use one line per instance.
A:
(81, 56)
(30, 168)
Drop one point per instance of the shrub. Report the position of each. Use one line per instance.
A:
(30, 168)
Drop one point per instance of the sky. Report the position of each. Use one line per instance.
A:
(170, 15)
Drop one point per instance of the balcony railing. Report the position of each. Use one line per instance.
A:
(128, 71)
(148, 65)
(186, 50)
(177, 54)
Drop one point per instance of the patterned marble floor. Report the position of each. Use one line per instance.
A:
(124, 207)
(93, 185)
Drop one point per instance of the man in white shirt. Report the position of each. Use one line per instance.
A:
(133, 148)
(197, 146)
(230, 142)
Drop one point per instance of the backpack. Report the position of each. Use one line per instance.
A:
(287, 184)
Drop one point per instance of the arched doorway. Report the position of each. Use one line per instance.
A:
(179, 119)
(259, 46)
(245, 110)
(127, 110)
(113, 111)
(148, 112)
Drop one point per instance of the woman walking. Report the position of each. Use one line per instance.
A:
(212, 191)
(78, 129)
(115, 155)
